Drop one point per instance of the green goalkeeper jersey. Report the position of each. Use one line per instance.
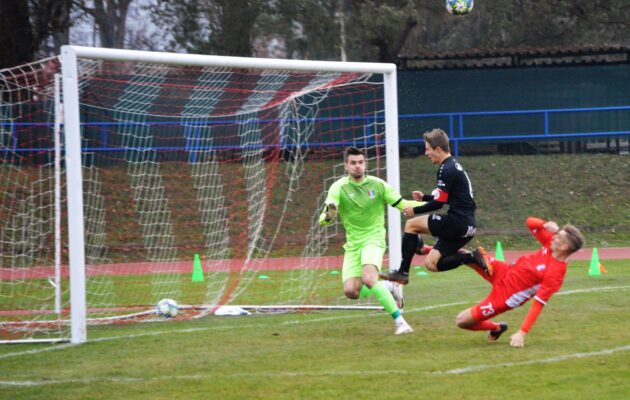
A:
(361, 208)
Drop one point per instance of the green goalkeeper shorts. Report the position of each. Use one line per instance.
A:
(354, 260)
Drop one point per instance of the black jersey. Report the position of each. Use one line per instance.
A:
(454, 188)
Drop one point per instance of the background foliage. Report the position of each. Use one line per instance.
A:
(358, 30)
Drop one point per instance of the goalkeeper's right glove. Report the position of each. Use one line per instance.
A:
(328, 215)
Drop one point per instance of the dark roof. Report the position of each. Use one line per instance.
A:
(517, 57)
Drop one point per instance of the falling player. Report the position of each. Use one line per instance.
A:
(537, 275)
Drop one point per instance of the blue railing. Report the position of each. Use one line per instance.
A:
(540, 123)
(486, 126)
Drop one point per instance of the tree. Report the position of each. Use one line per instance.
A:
(50, 19)
(110, 17)
(31, 29)
(220, 27)
(521, 23)
(16, 37)
(365, 30)
(380, 29)
(307, 29)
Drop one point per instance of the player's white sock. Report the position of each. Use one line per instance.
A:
(389, 285)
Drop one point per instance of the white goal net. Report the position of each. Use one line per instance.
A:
(198, 179)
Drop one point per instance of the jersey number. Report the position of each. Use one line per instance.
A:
(487, 310)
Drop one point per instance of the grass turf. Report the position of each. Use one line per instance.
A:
(579, 349)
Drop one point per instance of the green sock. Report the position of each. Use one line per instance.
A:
(365, 292)
(386, 299)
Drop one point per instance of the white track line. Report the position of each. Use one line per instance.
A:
(590, 290)
(207, 377)
(475, 368)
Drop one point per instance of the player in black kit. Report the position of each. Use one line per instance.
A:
(454, 229)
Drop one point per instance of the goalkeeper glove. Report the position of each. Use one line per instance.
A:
(331, 212)
(328, 215)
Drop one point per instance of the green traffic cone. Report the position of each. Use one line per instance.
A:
(498, 253)
(594, 269)
(197, 275)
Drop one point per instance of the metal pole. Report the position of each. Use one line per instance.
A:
(58, 117)
(74, 179)
(393, 165)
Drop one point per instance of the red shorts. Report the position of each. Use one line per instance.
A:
(495, 303)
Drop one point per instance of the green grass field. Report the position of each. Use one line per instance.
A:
(578, 349)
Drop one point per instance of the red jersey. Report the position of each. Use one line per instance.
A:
(537, 274)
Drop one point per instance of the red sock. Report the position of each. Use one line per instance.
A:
(486, 325)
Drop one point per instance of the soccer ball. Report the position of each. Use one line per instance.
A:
(459, 7)
(167, 308)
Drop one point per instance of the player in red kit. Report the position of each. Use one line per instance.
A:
(537, 275)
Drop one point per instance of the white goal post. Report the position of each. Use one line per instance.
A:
(228, 159)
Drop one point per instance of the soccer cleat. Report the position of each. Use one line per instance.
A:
(395, 276)
(479, 255)
(403, 328)
(493, 336)
(397, 292)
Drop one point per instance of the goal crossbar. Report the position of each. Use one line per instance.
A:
(226, 61)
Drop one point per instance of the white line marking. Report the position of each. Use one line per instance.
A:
(475, 368)
(457, 371)
(216, 328)
(294, 322)
(591, 290)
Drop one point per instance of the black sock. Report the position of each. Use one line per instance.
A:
(420, 245)
(453, 261)
(409, 246)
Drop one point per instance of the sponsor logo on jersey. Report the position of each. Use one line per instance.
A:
(541, 267)
(371, 193)
(470, 232)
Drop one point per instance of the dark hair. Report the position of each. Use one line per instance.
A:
(437, 138)
(574, 237)
(352, 151)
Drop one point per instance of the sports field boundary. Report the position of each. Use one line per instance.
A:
(281, 264)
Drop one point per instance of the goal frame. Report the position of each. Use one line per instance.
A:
(72, 131)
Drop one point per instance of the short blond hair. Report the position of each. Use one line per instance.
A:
(574, 237)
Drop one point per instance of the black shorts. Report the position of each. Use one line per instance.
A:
(452, 233)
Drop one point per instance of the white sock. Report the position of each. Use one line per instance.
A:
(389, 285)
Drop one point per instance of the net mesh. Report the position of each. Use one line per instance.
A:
(201, 184)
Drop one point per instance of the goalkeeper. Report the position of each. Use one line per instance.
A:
(360, 201)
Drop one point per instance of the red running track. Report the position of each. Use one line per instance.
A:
(235, 266)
